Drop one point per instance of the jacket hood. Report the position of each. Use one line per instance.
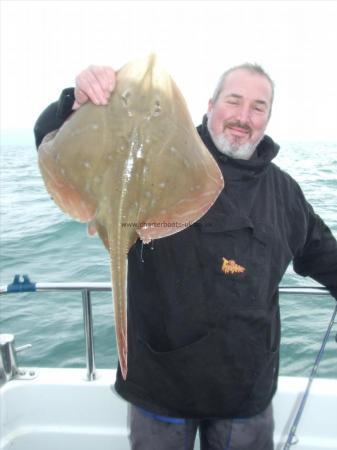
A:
(265, 152)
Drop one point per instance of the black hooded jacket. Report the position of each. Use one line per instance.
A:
(203, 311)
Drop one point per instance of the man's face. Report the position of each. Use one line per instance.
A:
(239, 117)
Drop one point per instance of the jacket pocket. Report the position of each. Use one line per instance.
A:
(237, 259)
(212, 376)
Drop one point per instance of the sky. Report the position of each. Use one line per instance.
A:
(45, 44)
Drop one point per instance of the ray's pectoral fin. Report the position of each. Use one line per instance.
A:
(183, 180)
(67, 196)
(180, 210)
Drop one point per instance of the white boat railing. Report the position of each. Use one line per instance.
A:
(22, 284)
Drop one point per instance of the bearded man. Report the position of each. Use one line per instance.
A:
(203, 304)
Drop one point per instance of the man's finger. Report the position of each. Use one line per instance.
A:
(87, 82)
(111, 76)
(104, 80)
(95, 83)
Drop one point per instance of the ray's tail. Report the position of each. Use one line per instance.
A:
(119, 270)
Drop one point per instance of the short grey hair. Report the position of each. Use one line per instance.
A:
(253, 68)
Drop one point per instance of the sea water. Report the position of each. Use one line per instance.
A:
(37, 239)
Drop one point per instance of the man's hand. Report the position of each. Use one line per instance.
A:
(95, 84)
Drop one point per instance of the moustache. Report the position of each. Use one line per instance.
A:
(238, 124)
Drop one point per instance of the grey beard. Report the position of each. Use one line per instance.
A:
(244, 151)
(237, 151)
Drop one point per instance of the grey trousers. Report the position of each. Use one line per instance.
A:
(149, 433)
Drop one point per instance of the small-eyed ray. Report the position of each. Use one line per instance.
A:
(135, 168)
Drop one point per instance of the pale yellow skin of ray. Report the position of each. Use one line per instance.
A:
(137, 160)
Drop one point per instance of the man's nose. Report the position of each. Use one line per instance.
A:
(243, 114)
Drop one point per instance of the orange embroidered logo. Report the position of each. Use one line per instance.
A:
(230, 266)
